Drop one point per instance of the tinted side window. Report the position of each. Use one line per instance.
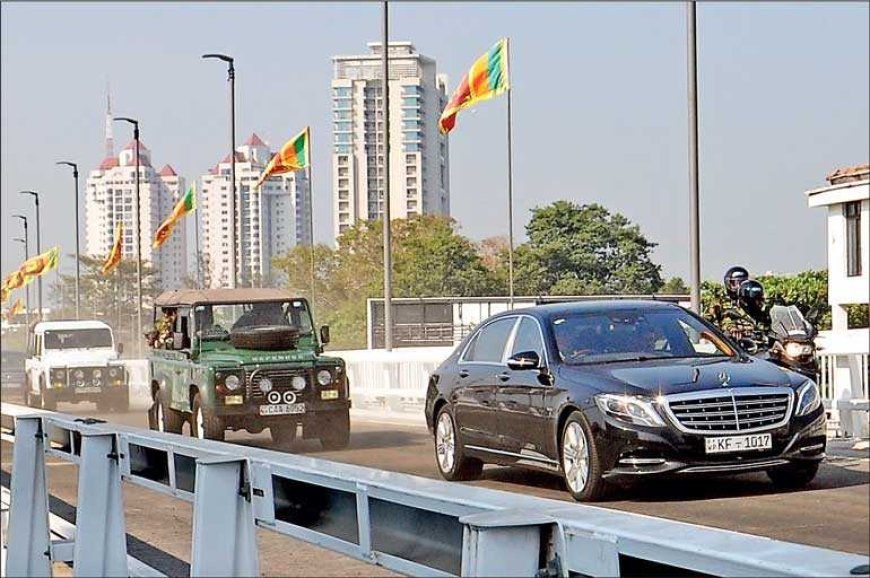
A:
(528, 338)
(489, 343)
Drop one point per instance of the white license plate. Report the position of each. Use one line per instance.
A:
(282, 409)
(90, 389)
(738, 443)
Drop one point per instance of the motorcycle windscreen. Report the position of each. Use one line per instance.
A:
(789, 322)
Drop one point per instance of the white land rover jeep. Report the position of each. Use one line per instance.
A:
(75, 361)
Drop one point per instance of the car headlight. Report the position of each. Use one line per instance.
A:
(98, 374)
(808, 398)
(298, 383)
(113, 372)
(324, 377)
(630, 409)
(265, 385)
(232, 382)
(79, 374)
(794, 350)
(58, 374)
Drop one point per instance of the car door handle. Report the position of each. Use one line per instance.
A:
(504, 376)
(485, 402)
(464, 373)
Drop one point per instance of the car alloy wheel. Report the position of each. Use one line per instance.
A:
(575, 457)
(445, 443)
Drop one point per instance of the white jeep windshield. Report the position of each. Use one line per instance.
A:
(78, 339)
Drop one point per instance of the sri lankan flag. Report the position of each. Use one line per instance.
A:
(487, 78)
(4, 293)
(17, 308)
(185, 205)
(39, 265)
(294, 155)
(114, 256)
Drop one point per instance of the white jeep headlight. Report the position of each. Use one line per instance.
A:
(630, 409)
(324, 377)
(808, 398)
(232, 382)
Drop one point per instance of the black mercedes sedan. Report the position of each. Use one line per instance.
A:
(606, 391)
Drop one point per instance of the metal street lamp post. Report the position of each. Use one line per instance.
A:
(75, 169)
(26, 257)
(135, 124)
(38, 249)
(231, 78)
(388, 249)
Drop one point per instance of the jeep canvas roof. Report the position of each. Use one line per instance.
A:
(188, 297)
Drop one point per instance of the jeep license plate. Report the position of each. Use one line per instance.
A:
(738, 443)
(282, 409)
(88, 389)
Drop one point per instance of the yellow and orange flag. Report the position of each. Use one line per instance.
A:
(185, 205)
(17, 308)
(4, 293)
(39, 265)
(114, 256)
(293, 156)
(488, 77)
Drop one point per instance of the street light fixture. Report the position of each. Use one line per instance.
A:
(135, 124)
(26, 288)
(35, 196)
(75, 169)
(231, 78)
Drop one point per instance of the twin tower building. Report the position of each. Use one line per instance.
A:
(276, 217)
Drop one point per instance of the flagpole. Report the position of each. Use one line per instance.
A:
(310, 211)
(510, 185)
(196, 237)
(388, 239)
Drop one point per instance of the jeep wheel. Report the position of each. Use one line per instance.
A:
(203, 423)
(283, 435)
(336, 431)
(265, 338)
(163, 418)
(46, 398)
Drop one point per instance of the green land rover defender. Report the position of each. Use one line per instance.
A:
(245, 359)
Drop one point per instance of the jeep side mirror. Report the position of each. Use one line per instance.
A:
(748, 345)
(120, 349)
(324, 334)
(524, 360)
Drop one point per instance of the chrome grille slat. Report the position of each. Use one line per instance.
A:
(730, 411)
(280, 377)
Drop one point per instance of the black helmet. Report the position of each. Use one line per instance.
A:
(732, 280)
(751, 298)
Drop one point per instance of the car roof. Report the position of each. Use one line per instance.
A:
(550, 310)
(186, 297)
(62, 325)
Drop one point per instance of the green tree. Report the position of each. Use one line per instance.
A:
(674, 286)
(582, 250)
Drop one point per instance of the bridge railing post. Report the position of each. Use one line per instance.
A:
(224, 534)
(101, 541)
(28, 541)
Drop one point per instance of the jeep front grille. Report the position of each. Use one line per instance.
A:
(730, 410)
(281, 381)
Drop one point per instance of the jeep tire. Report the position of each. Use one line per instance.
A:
(265, 338)
(47, 400)
(172, 419)
(204, 424)
(335, 430)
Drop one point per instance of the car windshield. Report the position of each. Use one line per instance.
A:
(635, 335)
(218, 320)
(78, 339)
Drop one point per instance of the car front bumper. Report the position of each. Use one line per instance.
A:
(74, 394)
(629, 451)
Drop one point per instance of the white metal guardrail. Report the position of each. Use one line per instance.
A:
(413, 525)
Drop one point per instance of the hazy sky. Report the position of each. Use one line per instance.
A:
(599, 107)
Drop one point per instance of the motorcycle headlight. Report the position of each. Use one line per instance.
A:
(113, 372)
(630, 409)
(298, 383)
(795, 350)
(324, 377)
(232, 382)
(265, 385)
(808, 398)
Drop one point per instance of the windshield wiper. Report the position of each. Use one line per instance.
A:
(622, 360)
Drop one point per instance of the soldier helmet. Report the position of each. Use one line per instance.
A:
(751, 298)
(732, 280)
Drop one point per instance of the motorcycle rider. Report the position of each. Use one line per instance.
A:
(729, 316)
(734, 277)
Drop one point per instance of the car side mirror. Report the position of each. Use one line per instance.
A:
(324, 334)
(120, 349)
(748, 345)
(524, 360)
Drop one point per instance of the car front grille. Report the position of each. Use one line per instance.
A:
(730, 410)
(281, 381)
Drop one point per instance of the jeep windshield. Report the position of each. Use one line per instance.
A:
(635, 335)
(78, 339)
(217, 321)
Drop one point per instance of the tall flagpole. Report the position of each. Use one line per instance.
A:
(510, 183)
(694, 226)
(388, 241)
(310, 208)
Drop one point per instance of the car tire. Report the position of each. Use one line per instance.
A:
(335, 432)
(163, 418)
(793, 475)
(283, 435)
(47, 401)
(453, 464)
(204, 424)
(580, 461)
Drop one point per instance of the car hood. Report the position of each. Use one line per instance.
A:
(679, 375)
(80, 358)
(248, 357)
